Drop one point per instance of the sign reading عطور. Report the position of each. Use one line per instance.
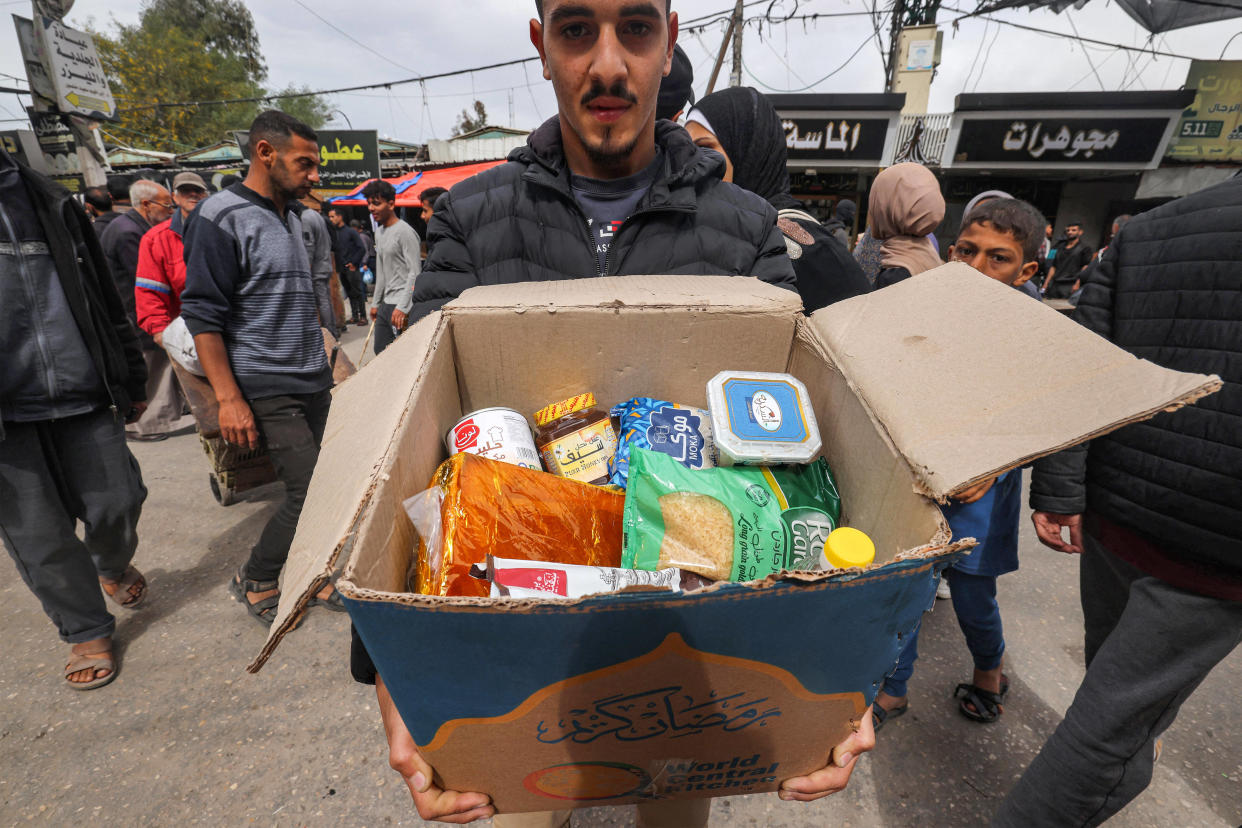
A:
(347, 158)
(74, 68)
(1060, 142)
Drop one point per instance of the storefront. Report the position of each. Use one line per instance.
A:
(836, 144)
(1077, 156)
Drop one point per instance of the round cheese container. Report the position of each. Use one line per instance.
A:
(497, 434)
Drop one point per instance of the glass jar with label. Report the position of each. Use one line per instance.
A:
(576, 439)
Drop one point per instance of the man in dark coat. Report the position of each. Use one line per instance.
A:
(601, 189)
(71, 375)
(1154, 510)
(153, 205)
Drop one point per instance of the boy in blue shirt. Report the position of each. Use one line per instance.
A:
(1000, 238)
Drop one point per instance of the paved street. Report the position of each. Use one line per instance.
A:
(186, 736)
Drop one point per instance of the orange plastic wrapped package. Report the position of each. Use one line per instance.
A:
(476, 507)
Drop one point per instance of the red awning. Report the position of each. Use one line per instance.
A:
(445, 177)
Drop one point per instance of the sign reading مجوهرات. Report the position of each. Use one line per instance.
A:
(1060, 142)
(77, 74)
(1211, 127)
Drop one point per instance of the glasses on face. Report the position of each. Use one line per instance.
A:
(162, 205)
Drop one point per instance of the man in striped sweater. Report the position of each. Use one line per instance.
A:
(250, 303)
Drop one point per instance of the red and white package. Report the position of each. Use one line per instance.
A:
(538, 579)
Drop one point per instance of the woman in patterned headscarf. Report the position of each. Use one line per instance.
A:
(740, 124)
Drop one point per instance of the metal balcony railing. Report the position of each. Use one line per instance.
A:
(921, 139)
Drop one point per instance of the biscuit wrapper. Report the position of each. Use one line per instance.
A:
(475, 507)
(740, 523)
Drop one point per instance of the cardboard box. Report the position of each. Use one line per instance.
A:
(920, 390)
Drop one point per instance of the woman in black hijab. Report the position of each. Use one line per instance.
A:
(741, 125)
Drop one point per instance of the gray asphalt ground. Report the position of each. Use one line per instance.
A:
(186, 736)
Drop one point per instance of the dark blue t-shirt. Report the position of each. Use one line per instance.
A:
(608, 203)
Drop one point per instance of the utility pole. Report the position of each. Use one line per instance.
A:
(735, 79)
(724, 45)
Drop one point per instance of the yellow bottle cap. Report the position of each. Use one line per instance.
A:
(848, 547)
(557, 410)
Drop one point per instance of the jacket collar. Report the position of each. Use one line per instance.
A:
(685, 165)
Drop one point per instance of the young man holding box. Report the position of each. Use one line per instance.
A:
(601, 189)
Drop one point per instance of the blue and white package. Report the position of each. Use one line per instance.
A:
(681, 432)
(762, 419)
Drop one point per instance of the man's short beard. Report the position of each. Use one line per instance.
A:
(606, 156)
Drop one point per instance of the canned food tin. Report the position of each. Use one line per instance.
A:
(497, 434)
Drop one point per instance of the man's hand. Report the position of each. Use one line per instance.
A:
(1048, 526)
(374, 312)
(836, 776)
(136, 411)
(403, 756)
(976, 491)
(237, 424)
(399, 319)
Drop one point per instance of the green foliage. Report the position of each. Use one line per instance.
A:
(191, 50)
(466, 122)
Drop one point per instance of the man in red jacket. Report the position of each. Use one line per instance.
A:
(161, 265)
(160, 278)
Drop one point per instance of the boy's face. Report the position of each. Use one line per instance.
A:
(381, 208)
(995, 254)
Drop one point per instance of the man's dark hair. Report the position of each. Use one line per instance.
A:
(355, 223)
(338, 210)
(668, 6)
(1015, 217)
(428, 196)
(228, 180)
(277, 128)
(118, 187)
(381, 189)
(98, 198)
(1073, 224)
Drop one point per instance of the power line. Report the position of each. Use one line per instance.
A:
(861, 46)
(350, 37)
(275, 96)
(1090, 62)
(1065, 35)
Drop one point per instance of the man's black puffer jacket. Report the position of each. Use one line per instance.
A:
(519, 222)
(1169, 289)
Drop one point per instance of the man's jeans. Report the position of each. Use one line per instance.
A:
(52, 474)
(1148, 646)
(384, 334)
(290, 429)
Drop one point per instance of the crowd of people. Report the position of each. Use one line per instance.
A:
(248, 279)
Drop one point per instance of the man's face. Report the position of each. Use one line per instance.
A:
(605, 59)
(995, 254)
(425, 211)
(1048, 231)
(381, 209)
(293, 166)
(1073, 232)
(157, 208)
(187, 197)
(336, 218)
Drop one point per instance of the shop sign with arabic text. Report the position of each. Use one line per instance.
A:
(835, 139)
(1060, 142)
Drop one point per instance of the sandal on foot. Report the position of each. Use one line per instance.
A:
(332, 602)
(265, 608)
(981, 705)
(130, 579)
(91, 661)
(879, 715)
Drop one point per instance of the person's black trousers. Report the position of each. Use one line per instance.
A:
(53, 474)
(291, 430)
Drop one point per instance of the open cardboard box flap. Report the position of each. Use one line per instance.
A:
(353, 457)
(971, 378)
